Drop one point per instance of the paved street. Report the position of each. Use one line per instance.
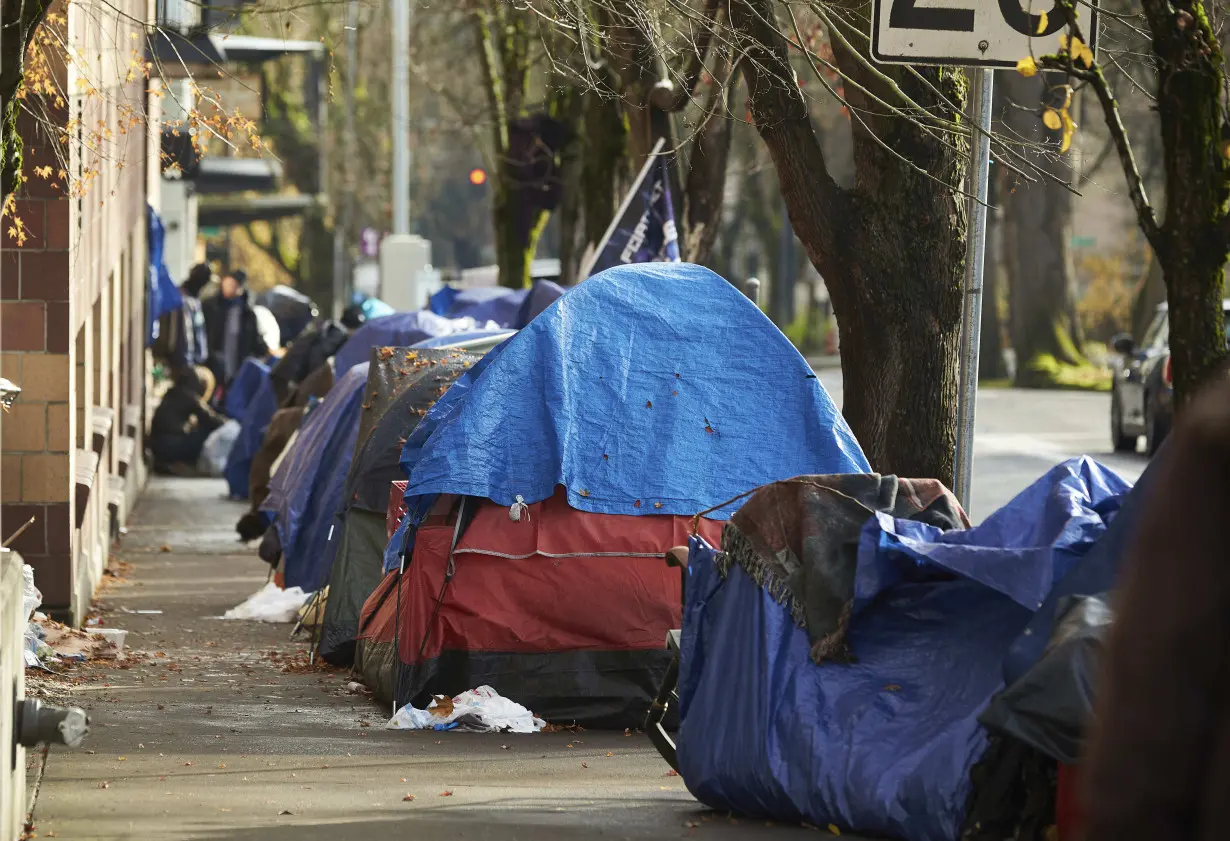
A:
(218, 730)
(1019, 434)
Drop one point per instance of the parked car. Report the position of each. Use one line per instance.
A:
(1142, 396)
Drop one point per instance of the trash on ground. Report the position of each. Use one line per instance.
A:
(481, 710)
(270, 604)
(217, 448)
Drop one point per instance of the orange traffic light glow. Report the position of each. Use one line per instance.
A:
(478, 177)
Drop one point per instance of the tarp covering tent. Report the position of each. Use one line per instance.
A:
(297, 492)
(400, 330)
(284, 424)
(313, 490)
(256, 417)
(885, 745)
(401, 387)
(513, 308)
(248, 380)
(588, 395)
(619, 394)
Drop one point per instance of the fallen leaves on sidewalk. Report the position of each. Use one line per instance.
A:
(446, 794)
(407, 798)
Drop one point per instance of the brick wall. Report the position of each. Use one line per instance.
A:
(72, 311)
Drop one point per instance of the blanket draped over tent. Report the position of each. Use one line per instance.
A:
(799, 540)
(885, 745)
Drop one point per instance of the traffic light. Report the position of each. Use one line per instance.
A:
(478, 176)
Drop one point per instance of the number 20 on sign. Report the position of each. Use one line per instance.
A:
(973, 33)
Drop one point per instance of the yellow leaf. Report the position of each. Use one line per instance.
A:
(1050, 117)
(1069, 129)
(1027, 67)
(1042, 23)
(1067, 96)
(1086, 55)
(1063, 41)
(834, 830)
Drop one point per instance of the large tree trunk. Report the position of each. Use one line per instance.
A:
(1037, 254)
(1193, 235)
(892, 250)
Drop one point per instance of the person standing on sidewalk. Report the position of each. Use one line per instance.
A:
(181, 339)
(231, 328)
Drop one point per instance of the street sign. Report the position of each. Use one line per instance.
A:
(973, 33)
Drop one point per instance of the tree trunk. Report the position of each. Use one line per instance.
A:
(705, 188)
(1193, 235)
(1037, 254)
(514, 253)
(1150, 292)
(892, 250)
(991, 363)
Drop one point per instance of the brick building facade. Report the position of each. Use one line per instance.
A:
(72, 312)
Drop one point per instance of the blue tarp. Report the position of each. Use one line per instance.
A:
(464, 336)
(248, 379)
(400, 330)
(305, 490)
(164, 295)
(511, 308)
(256, 418)
(648, 389)
(883, 747)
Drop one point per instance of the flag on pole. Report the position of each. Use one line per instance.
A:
(643, 230)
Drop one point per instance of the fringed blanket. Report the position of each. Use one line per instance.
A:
(799, 540)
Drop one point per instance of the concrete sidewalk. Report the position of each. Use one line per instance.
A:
(216, 729)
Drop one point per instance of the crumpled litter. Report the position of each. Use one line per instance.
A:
(481, 710)
(212, 461)
(31, 596)
(270, 604)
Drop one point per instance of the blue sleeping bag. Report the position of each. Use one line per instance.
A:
(883, 747)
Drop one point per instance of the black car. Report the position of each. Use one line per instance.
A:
(1142, 397)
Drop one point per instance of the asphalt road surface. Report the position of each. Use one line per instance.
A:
(1020, 434)
(205, 734)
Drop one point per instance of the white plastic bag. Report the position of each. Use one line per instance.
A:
(482, 710)
(270, 604)
(217, 448)
(31, 597)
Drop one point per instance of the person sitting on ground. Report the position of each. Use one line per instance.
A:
(231, 327)
(182, 423)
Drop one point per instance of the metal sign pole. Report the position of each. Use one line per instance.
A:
(971, 310)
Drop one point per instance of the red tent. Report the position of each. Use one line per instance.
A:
(563, 611)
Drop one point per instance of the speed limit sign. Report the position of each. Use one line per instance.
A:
(973, 33)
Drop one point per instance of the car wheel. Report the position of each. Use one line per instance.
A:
(1156, 430)
(1122, 443)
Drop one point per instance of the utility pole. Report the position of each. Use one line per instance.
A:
(341, 233)
(401, 116)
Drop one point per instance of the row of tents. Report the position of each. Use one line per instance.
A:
(483, 493)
